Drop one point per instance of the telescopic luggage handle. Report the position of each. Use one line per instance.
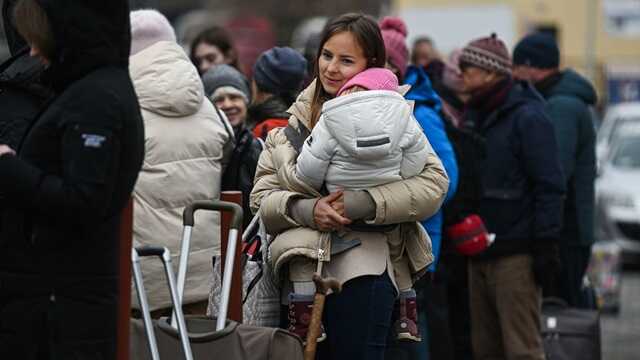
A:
(232, 241)
(164, 254)
(215, 205)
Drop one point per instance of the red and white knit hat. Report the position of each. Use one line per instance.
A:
(489, 53)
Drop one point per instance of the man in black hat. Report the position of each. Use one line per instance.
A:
(570, 98)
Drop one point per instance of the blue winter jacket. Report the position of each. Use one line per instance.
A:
(427, 112)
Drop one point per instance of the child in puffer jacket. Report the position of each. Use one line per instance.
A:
(366, 139)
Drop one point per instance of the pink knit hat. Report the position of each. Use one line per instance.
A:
(373, 79)
(394, 33)
(149, 26)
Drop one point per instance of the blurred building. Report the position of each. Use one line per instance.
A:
(600, 38)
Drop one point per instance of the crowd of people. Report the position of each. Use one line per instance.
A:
(460, 188)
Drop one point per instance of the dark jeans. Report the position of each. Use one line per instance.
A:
(358, 319)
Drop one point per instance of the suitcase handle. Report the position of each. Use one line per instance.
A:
(554, 302)
(148, 250)
(215, 205)
(188, 219)
(164, 254)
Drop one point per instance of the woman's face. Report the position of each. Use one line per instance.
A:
(340, 59)
(208, 56)
(234, 106)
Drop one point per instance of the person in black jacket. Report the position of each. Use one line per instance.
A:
(570, 99)
(66, 184)
(521, 203)
(229, 91)
(21, 95)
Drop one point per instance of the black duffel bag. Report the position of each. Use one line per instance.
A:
(570, 333)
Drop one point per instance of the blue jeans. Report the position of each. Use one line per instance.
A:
(358, 319)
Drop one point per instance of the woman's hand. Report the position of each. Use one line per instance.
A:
(6, 150)
(338, 204)
(326, 217)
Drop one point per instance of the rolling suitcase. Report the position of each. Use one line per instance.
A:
(165, 256)
(569, 333)
(217, 338)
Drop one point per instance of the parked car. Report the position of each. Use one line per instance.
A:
(617, 120)
(618, 196)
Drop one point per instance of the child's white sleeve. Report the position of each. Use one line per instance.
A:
(415, 150)
(315, 156)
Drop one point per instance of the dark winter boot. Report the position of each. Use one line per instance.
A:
(300, 307)
(406, 326)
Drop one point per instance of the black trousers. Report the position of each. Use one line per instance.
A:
(575, 260)
(41, 326)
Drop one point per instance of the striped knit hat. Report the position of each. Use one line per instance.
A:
(489, 53)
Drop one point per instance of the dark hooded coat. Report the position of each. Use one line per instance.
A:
(21, 96)
(65, 190)
(570, 101)
(21, 93)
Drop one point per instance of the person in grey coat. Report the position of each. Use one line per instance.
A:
(570, 99)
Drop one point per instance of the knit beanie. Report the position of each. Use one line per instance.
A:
(537, 50)
(147, 28)
(280, 70)
(394, 33)
(225, 76)
(373, 79)
(489, 53)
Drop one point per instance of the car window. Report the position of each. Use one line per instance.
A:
(627, 154)
(624, 127)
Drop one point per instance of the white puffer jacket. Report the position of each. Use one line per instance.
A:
(363, 140)
(184, 140)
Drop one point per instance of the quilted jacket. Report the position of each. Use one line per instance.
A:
(362, 140)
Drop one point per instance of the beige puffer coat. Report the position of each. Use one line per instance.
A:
(405, 201)
(184, 140)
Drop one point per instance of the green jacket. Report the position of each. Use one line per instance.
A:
(570, 99)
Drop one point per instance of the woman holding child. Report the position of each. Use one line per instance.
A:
(370, 222)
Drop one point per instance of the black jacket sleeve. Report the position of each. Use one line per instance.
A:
(542, 166)
(89, 152)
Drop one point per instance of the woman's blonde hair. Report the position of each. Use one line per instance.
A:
(33, 25)
(367, 34)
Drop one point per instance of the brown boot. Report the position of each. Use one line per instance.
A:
(300, 307)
